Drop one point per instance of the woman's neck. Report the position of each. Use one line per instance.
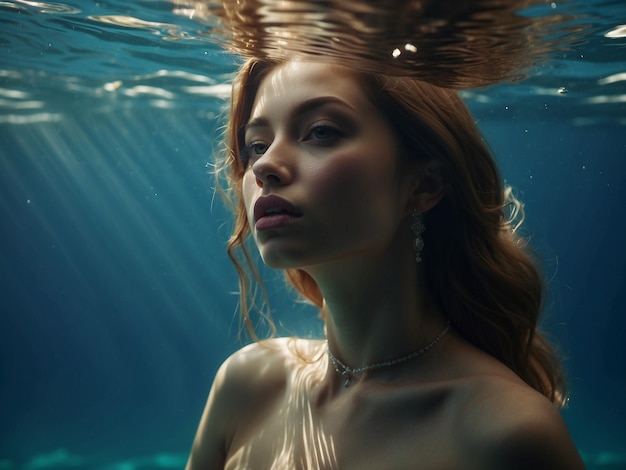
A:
(377, 308)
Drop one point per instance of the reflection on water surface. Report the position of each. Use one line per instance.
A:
(459, 44)
(169, 53)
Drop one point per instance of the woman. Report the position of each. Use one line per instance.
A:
(378, 198)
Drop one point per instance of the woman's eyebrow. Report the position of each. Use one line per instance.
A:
(255, 123)
(300, 109)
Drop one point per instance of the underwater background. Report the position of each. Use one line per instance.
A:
(117, 300)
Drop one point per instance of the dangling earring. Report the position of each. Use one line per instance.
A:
(417, 227)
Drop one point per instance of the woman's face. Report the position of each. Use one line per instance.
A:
(324, 181)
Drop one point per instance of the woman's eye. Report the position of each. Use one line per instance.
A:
(253, 150)
(324, 134)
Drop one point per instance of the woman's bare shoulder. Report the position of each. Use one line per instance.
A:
(258, 370)
(501, 421)
(257, 373)
(245, 386)
(505, 423)
(267, 362)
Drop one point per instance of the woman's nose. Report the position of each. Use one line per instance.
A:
(273, 168)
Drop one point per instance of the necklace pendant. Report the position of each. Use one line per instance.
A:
(348, 381)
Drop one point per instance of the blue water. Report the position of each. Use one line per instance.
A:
(117, 301)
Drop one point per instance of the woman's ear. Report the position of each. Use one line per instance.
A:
(430, 188)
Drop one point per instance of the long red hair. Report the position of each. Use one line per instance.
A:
(478, 269)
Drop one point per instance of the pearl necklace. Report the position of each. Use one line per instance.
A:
(349, 372)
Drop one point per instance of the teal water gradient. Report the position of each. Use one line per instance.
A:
(117, 300)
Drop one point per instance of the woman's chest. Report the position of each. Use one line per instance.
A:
(367, 432)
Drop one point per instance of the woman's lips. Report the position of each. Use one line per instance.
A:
(272, 212)
(273, 221)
